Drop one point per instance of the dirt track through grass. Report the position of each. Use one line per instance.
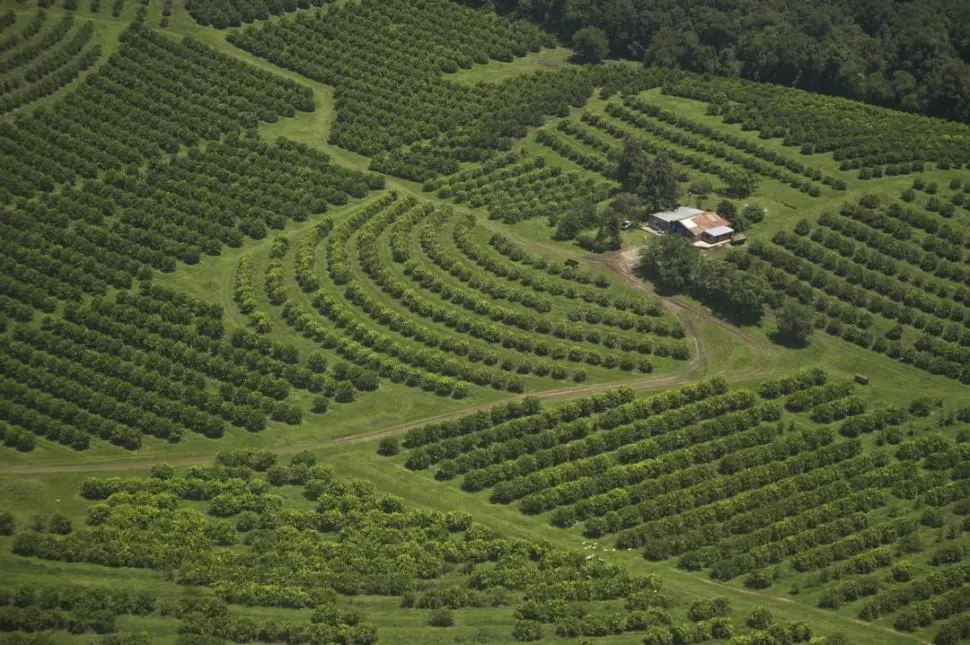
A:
(620, 265)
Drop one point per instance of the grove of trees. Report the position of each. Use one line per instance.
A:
(677, 266)
(904, 55)
(144, 102)
(722, 481)
(384, 548)
(866, 268)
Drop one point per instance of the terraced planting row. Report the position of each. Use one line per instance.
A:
(153, 96)
(879, 281)
(188, 371)
(516, 186)
(770, 485)
(816, 123)
(418, 294)
(44, 57)
(411, 43)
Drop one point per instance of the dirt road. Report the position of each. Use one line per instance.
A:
(620, 265)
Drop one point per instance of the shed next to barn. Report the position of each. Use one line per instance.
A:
(717, 234)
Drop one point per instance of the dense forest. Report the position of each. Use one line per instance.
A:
(910, 55)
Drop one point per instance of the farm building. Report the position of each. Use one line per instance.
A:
(664, 222)
(706, 228)
(706, 222)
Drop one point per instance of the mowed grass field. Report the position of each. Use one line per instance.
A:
(47, 479)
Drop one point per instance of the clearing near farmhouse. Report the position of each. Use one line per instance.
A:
(413, 321)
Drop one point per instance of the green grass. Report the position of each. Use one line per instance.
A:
(497, 71)
(43, 481)
(807, 207)
(27, 495)
(421, 489)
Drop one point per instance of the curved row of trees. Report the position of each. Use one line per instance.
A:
(54, 75)
(516, 253)
(355, 306)
(453, 318)
(422, 274)
(22, 56)
(535, 297)
(847, 129)
(36, 67)
(635, 309)
(524, 189)
(32, 28)
(358, 345)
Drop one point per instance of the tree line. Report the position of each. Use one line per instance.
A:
(912, 56)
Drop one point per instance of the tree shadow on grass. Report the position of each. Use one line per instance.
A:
(788, 341)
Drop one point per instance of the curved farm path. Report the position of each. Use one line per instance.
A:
(645, 384)
(621, 264)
